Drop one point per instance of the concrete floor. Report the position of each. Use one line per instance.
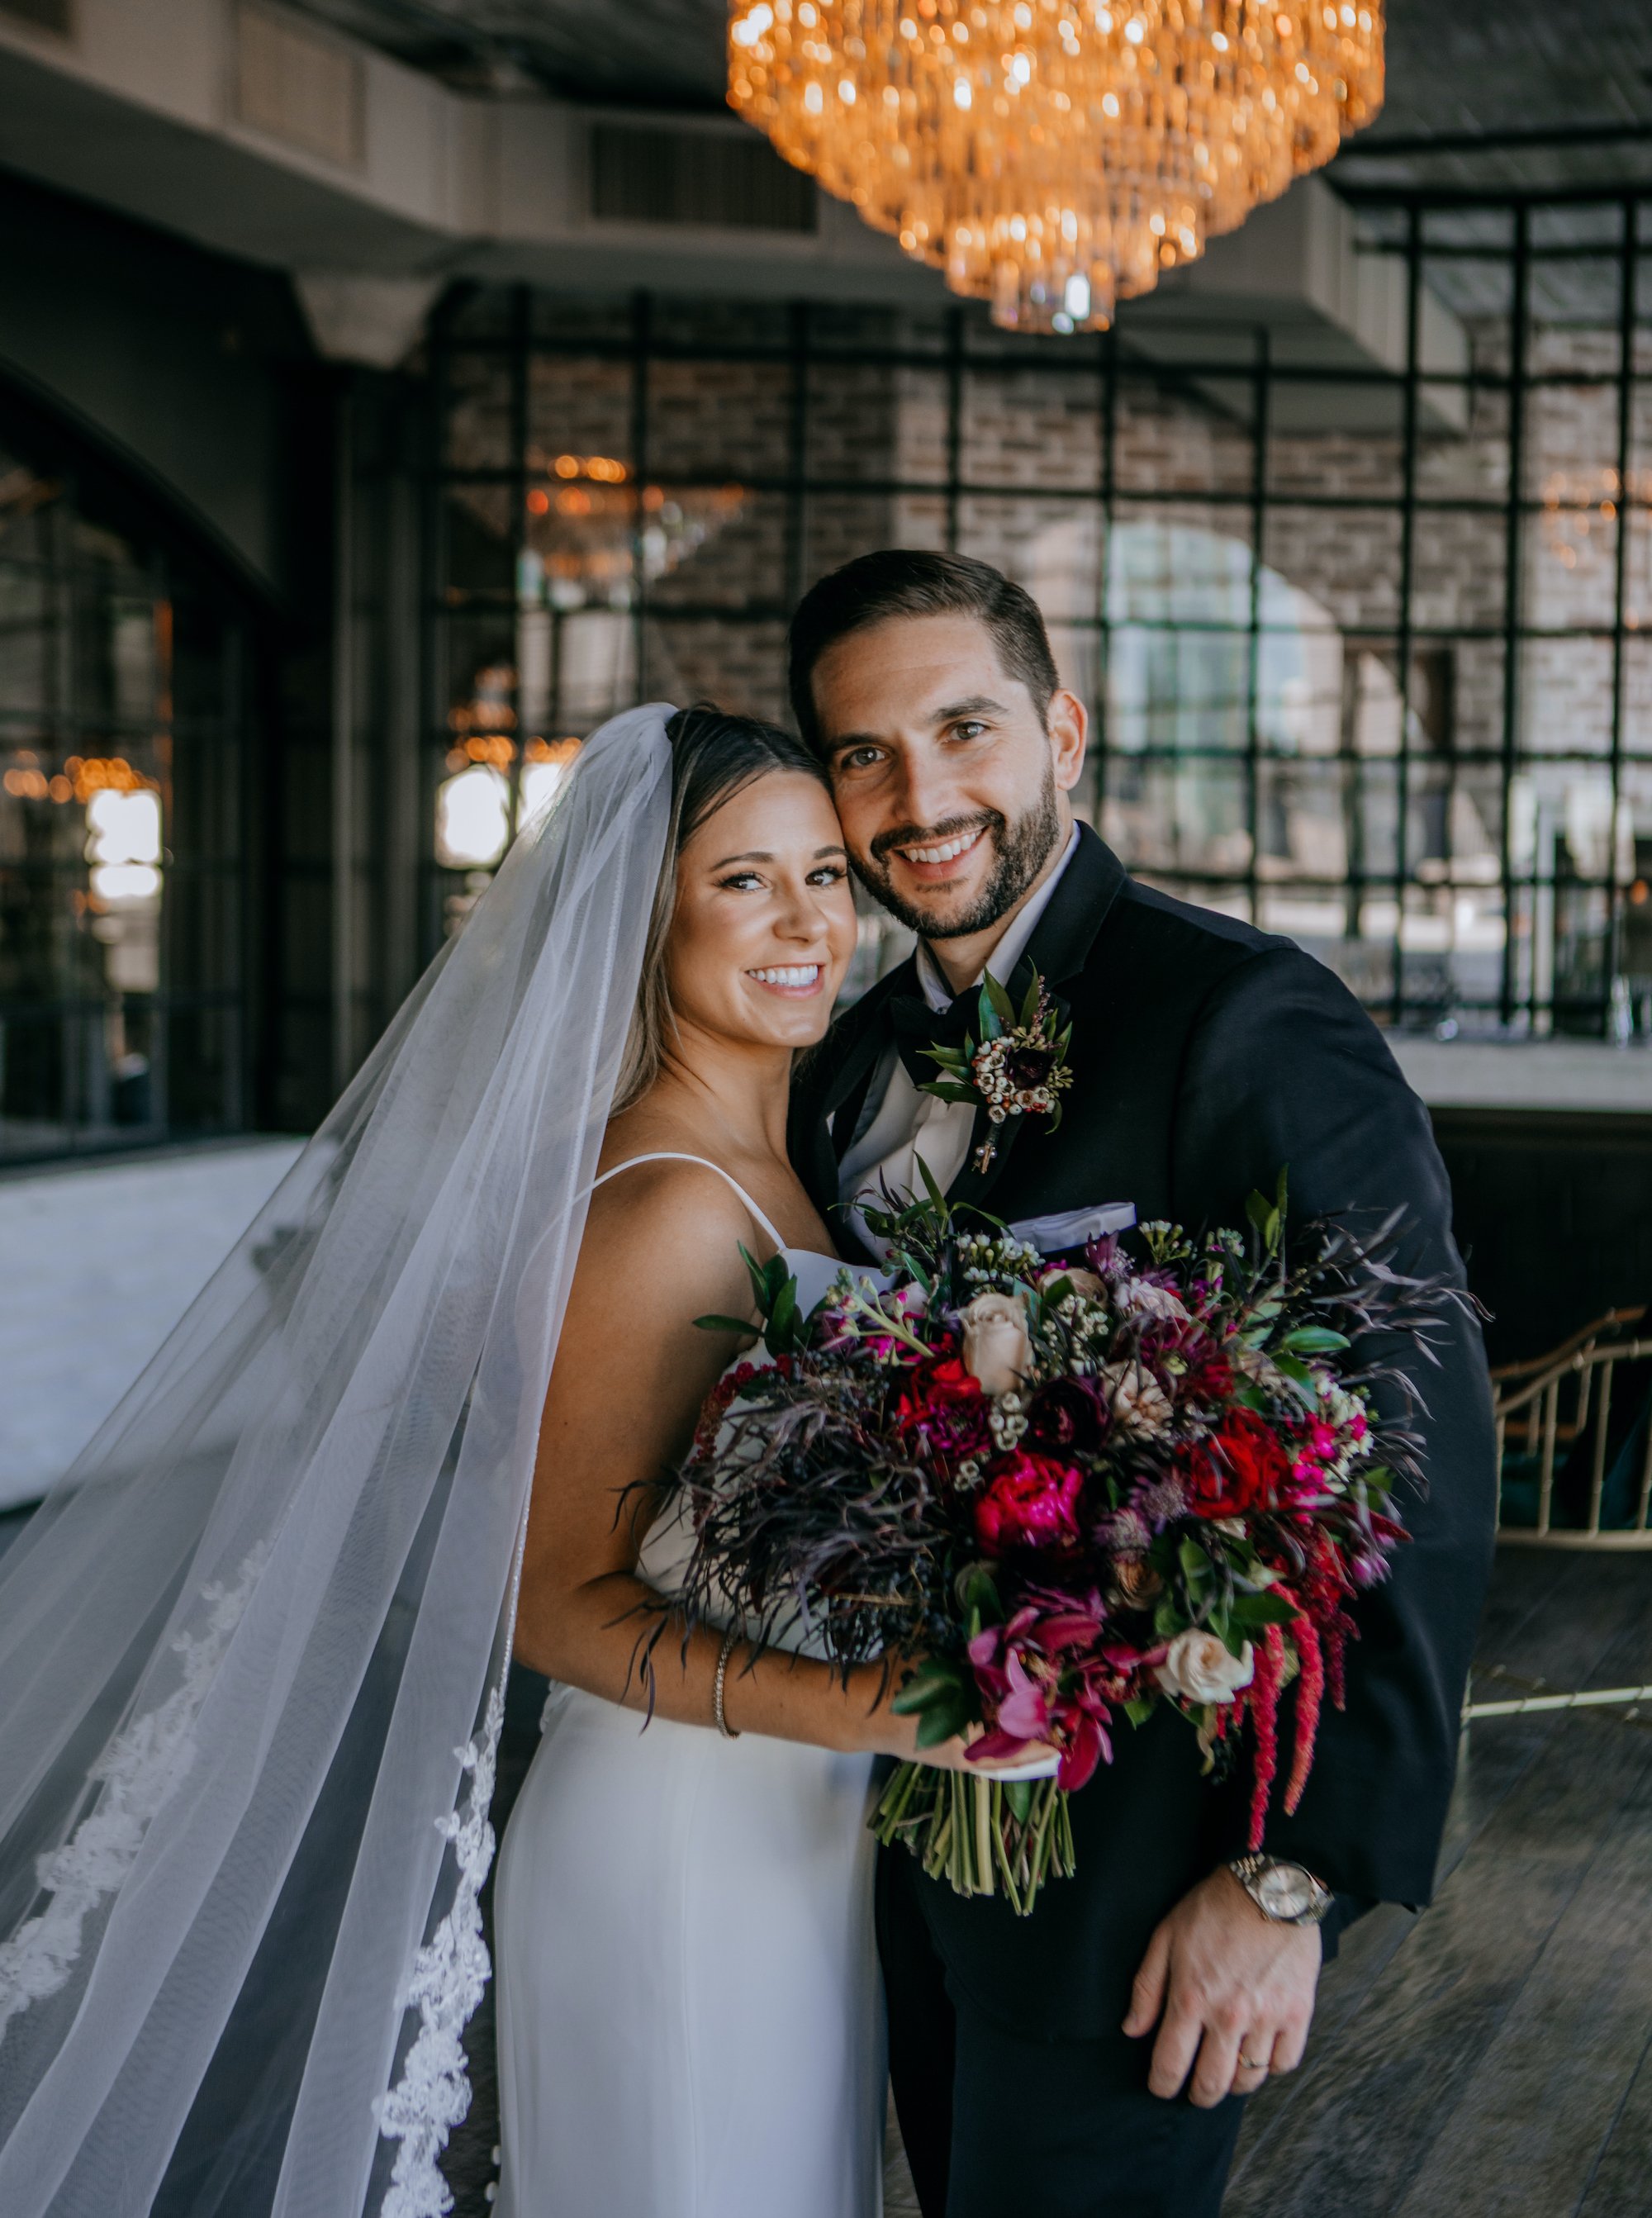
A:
(97, 1263)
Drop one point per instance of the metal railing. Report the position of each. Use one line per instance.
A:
(1549, 1405)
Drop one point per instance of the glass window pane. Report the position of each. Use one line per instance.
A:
(1019, 427)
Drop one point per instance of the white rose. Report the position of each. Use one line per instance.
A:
(996, 1346)
(1083, 1283)
(1200, 1668)
(1136, 1295)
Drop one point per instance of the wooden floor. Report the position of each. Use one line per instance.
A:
(1495, 2055)
(1493, 2058)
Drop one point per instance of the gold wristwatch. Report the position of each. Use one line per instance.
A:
(1283, 1892)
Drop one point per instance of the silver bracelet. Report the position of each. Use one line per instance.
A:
(727, 1730)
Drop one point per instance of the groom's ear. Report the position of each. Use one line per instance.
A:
(1067, 722)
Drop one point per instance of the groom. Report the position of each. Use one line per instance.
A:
(1082, 2061)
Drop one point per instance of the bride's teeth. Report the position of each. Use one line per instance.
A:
(800, 974)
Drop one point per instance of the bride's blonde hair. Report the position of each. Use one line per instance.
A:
(714, 755)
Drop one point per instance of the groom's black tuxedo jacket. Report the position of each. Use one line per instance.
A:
(1205, 1055)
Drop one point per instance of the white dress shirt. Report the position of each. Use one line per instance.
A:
(908, 1123)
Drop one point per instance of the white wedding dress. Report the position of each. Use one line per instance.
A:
(689, 2013)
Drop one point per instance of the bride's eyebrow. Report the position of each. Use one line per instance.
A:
(762, 855)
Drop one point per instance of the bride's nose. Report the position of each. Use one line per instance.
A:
(799, 916)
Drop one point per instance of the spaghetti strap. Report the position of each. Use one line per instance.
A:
(670, 1155)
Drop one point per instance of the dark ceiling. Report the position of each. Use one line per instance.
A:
(1482, 93)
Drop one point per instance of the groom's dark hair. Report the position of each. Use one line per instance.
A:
(904, 581)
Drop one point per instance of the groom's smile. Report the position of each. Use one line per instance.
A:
(939, 855)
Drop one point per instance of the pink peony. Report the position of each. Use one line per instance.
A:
(1029, 1501)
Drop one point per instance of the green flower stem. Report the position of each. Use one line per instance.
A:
(962, 1827)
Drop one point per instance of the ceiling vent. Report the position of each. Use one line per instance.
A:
(720, 179)
(39, 15)
(300, 87)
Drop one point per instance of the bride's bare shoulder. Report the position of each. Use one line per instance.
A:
(680, 1223)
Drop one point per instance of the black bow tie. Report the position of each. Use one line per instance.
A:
(918, 1027)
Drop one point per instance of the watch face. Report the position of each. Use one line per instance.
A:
(1284, 1890)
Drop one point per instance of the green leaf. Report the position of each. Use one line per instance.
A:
(1300, 1377)
(783, 1333)
(943, 1721)
(1314, 1340)
(935, 1675)
(995, 1000)
(759, 1277)
(979, 1592)
(1029, 1002)
(1140, 1708)
(1167, 1618)
(1259, 1609)
(937, 1200)
(1196, 1565)
(1017, 1793)
(715, 1324)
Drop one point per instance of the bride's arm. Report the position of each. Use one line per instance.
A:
(661, 1247)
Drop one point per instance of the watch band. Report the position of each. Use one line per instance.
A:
(1286, 1893)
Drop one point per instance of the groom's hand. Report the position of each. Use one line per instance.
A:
(1231, 1992)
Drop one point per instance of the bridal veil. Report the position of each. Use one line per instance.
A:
(252, 1646)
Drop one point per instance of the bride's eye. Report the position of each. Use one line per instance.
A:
(741, 880)
(829, 874)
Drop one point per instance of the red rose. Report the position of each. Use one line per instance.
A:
(1029, 1501)
(942, 1407)
(1240, 1467)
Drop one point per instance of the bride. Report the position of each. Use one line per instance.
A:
(252, 1646)
(689, 2017)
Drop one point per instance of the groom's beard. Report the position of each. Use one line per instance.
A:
(1020, 850)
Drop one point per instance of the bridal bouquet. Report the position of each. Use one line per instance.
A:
(1052, 1492)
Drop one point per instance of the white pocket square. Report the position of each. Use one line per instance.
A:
(1071, 1227)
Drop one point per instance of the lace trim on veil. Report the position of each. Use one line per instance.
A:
(141, 1767)
(449, 1976)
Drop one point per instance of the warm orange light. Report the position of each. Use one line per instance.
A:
(1053, 156)
(538, 501)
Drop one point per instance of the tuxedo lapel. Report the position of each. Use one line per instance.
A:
(1058, 951)
(836, 1087)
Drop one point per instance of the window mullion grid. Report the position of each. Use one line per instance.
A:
(1108, 398)
(641, 333)
(1261, 396)
(1513, 547)
(521, 363)
(1403, 641)
(1620, 584)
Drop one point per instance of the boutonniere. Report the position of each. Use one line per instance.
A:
(1018, 1069)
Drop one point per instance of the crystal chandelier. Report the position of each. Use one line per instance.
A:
(1054, 155)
